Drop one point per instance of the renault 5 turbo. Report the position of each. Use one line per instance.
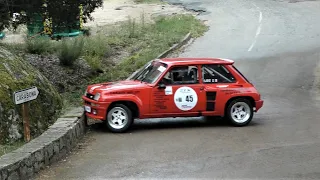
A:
(174, 87)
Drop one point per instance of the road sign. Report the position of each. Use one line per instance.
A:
(25, 95)
(22, 97)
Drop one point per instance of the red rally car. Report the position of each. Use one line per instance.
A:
(174, 87)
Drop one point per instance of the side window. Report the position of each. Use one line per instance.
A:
(181, 75)
(216, 74)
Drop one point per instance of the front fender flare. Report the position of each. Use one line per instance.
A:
(126, 97)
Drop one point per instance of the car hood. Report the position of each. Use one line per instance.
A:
(115, 86)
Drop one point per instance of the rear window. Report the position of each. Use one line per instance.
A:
(214, 73)
(241, 74)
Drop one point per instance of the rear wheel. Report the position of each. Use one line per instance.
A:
(119, 118)
(239, 112)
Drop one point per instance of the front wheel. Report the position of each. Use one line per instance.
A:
(119, 118)
(239, 112)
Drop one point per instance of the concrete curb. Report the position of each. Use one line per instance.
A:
(51, 146)
(176, 46)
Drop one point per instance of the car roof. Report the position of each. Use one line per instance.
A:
(186, 61)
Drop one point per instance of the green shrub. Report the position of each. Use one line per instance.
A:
(95, 62)
(131, 28)
(39, 45)
(97, 46)
(70, 50)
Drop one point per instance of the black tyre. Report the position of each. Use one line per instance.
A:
(239, 112)
(119, 118)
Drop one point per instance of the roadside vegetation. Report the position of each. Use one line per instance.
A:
(114, 52)
(139, 43)
(108, 53)
(146, 42)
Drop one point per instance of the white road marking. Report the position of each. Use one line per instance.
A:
(253, 43)
(260, 17)
(258, 29)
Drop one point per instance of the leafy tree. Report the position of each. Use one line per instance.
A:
(62, 12)
(4, 15)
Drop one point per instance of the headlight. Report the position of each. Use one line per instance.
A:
(97, 96)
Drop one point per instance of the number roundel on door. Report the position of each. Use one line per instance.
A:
(185, 98)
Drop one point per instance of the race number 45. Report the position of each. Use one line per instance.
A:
(189, 98)
(185, 98)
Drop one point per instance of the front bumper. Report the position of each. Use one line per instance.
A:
(259, 104)
(95, 109)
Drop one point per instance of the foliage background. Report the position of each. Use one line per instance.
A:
(61, 12)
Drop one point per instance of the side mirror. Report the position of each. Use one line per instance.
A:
(162, 86)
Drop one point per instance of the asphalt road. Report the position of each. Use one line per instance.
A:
(276, 44)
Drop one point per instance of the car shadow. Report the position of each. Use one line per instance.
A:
(177, 123)
(172, 123)
(185, 123)
(97, 126)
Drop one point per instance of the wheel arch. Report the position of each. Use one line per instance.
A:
(251, 99)
(130, 104)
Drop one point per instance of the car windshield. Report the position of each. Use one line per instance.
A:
(149, 73)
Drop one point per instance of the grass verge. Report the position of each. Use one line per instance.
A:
(143, 42)
(146, 41)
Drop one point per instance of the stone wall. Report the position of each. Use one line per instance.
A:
(42, 151)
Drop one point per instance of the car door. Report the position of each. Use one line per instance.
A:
(178, 93)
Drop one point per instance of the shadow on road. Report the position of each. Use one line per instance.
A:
(173, 123)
